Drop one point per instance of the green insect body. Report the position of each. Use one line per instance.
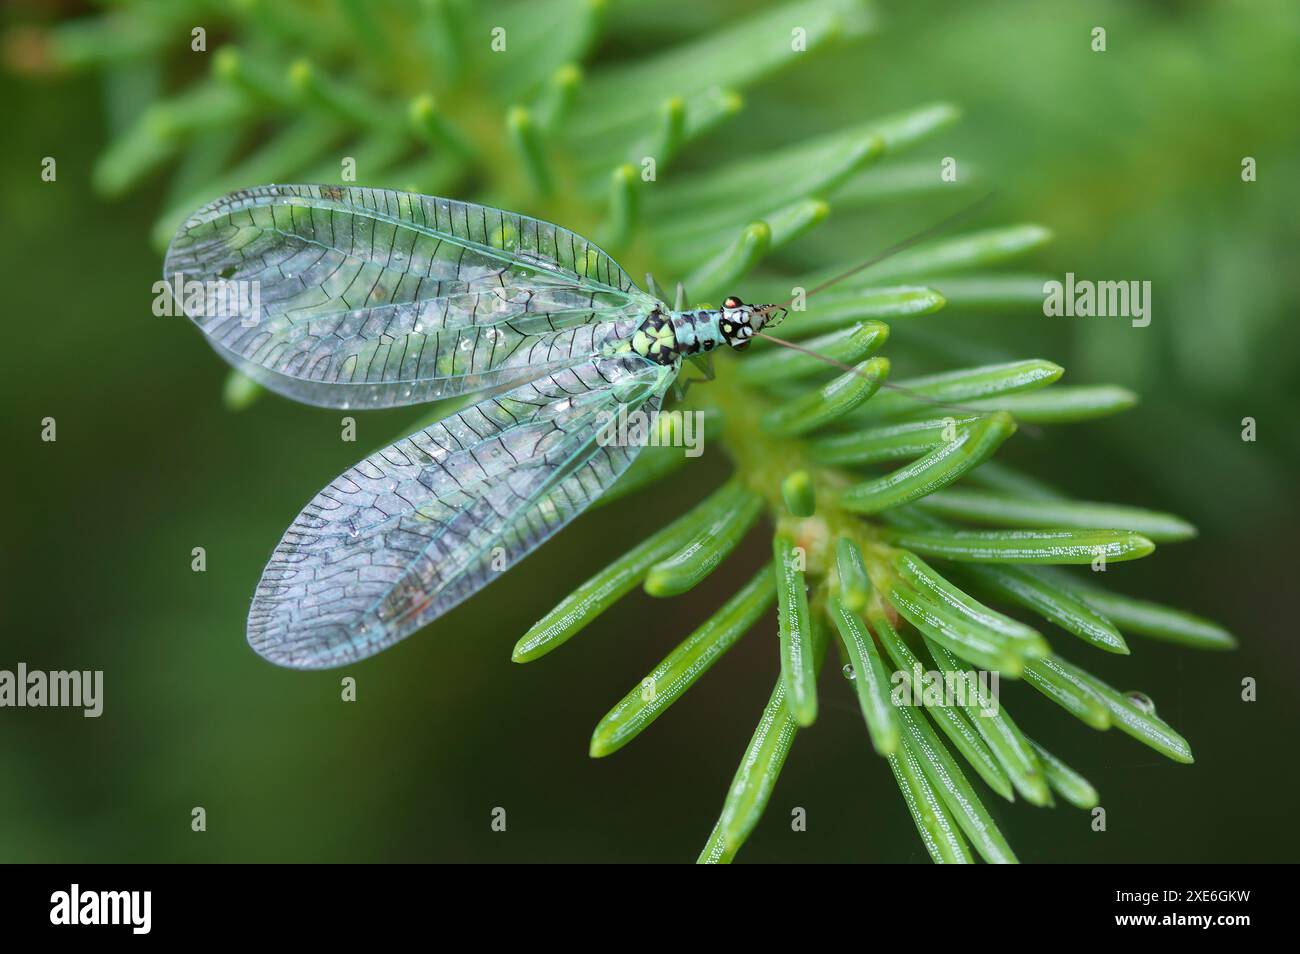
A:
(667, 337)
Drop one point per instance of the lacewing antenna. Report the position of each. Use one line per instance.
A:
(897, 247)
(808, 351)
(894, 249)
(914, 395)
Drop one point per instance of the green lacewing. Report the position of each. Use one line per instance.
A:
(373, 298)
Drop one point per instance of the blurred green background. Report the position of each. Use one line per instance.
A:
(1132, 157)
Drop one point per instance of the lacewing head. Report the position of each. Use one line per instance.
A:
(741, 322)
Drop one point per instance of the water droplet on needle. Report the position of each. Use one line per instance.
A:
(1141, 700)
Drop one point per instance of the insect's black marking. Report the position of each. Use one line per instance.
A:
(655, 339)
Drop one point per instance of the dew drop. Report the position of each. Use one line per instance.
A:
(1141, 700)
(849, 674)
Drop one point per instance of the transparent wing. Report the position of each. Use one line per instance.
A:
(360, 298)
(408, 533)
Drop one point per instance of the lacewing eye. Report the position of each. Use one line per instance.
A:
(732, 302)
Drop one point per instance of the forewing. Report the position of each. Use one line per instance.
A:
(402, 537)
(360, 298)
